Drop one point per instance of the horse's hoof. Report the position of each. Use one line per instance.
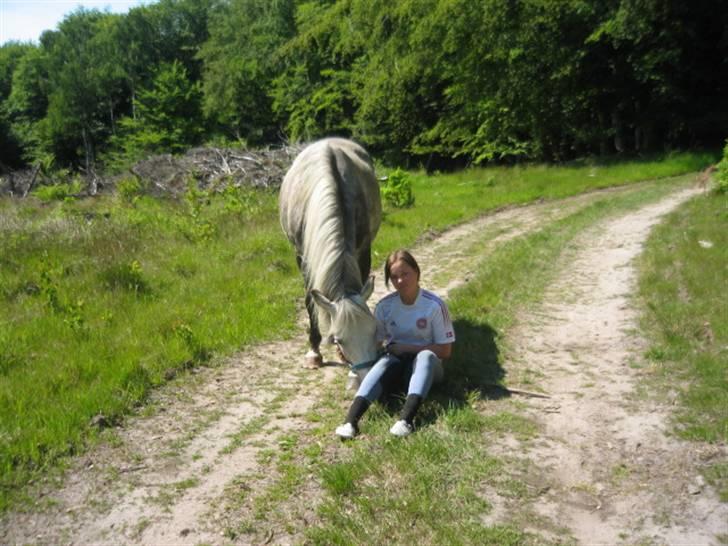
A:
(313, 360)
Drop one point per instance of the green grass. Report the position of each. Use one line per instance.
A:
(448, 199)
(102, 300)
(431, 488)
(684, 273)
(427, 489)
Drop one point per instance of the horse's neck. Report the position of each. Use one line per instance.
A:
(335, 272)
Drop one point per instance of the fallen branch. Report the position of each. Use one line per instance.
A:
(527, 393)
(521, 392)
(36, 170)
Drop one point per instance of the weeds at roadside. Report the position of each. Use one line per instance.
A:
(682, 287)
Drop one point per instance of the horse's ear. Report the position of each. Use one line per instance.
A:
(323, 302)
(368, 288)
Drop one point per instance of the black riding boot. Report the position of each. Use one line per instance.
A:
(411, 405)
(357, 409)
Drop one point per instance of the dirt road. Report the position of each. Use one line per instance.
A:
(609, 469)
(610, 473)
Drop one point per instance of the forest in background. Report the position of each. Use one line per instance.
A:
(437, 83)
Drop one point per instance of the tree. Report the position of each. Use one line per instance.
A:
(84, 78)
(162, 32)
(11, 55)
(312, 92)
(27, 103)
(168, 116)
(666, 70)
(240, 62)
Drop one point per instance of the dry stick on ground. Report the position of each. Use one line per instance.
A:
(527, 393)
(517, 391)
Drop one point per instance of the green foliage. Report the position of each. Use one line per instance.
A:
(396, 189)
(416, 81)
(49, 284)
(58, 192)
(11, 54)
(83, 78)
(129, 189)
(199, 228)
(27, 102)
(241, 200)
(128, 276)
(200, 354)
(722, 173)
(240, 63)
(168, 117)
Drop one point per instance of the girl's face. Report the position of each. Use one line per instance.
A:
(405, 281)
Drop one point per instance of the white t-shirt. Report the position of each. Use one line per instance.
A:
(425, 322)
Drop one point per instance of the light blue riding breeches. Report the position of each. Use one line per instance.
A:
(426, 370)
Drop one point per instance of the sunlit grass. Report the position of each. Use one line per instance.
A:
(448, 199)
(102, 300)
(684, 275)
(433, 486)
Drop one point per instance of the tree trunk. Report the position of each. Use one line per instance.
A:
(618, 136)
(111, 117)
(88, 148)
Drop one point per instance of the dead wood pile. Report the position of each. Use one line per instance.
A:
(215, 168)
(209, 168)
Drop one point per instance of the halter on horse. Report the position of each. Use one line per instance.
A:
(330, 211)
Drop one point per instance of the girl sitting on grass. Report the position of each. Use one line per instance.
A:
(417, 334)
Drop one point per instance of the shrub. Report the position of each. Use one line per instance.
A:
(58, 192)
(721, 177)
(397, 189)
(128, 276)
(129, 189)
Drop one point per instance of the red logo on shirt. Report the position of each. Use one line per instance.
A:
(422, 323)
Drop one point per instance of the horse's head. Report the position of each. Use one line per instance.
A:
(353, 327)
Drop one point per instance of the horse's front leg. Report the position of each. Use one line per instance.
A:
(313, 357)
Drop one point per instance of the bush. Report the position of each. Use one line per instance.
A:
(58, 192)
(397, 189)
(129, 189)
(721, 177)
(128, 276)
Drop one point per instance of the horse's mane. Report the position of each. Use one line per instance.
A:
(328, 261)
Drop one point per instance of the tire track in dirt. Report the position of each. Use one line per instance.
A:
(610, 472)
(163, 480)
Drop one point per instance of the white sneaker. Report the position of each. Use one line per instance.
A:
(401, 428)
(346, 431)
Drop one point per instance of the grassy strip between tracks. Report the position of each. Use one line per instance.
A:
(103, 299)
(437, 486)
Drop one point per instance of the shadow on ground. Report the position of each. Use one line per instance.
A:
(474, 367)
